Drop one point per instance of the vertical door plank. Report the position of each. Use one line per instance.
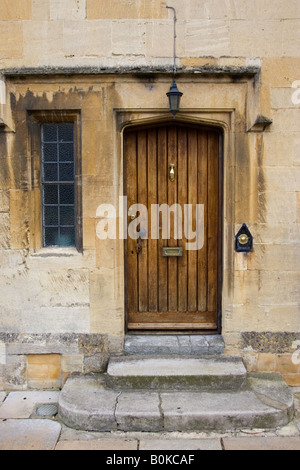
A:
(182, 200)
(142, 199)
(202, 199)
(173, 291)
(152, 243)
(162, 179)
(213, 197)
(172, 199)
(192, 199)
(131, 192)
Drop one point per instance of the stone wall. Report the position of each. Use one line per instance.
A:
(110, 64)
(86, 32)
(46, 360)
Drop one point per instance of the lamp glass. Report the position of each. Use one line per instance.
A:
(174, 96)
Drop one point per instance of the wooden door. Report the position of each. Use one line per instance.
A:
(172, 292)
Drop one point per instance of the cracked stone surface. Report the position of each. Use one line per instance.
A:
(85, 403)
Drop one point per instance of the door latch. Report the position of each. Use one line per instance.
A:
(172, 172)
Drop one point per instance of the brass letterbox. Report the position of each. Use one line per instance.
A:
(172, 251)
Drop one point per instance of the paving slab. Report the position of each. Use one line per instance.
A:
(181, 444)
(19, 405)
(261, 443)
(29, 434)
(98, 444)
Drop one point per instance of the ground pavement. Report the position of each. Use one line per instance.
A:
(27, 424)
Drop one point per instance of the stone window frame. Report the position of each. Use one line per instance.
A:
(35, 121)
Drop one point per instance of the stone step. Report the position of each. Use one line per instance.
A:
(173, 372)
(174, 344)
(86, 404)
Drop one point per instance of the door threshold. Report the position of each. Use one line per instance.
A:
(176, 343)
(162, 332)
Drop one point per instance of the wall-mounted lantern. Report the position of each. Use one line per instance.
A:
(174, 94)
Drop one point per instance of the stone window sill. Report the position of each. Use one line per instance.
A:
(56, 252)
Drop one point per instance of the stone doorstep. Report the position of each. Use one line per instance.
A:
(174, 344)
(86, 404)
(169, 372)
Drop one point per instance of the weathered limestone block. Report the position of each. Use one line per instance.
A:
(282, 97)
(296, 153)
(278, 342)
(106, 253)
(14, 373)
(275, 257)
(2, 353)
(280, 71)
(71, 363)
(215, 9)
(291, 42)
(11, 10)
(5, 231)
(242, 10)
(40, 10)
(102, 292)
(207, 37)
(46, 360)
(55, 301)
(68, 287)
(279, 288)
(87, 39)
(67, 9)
(89, 231)
(280, 207)
(279, 152)
(286, 120)
(4, 201)
(11, 39)
(159, 39)
(121, 31)
(276, 9)
(273, 352)
(256, 38)
(91, 142)
(19, 226)
(43, 370)
(114, 9)
(43, 42)
(92, 198)
(6, 122)
(106, 309)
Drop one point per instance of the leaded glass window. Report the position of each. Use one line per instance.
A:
(58, 184)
